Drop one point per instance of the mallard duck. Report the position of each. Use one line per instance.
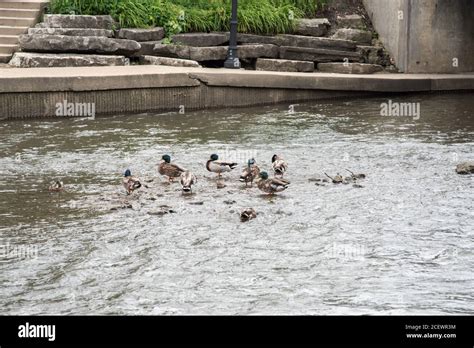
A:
(56, 186)
(356, 176)
(271, 185)
(279, 165)
(215, 166)
(248, 214)
(187, 180)
(338, 179)
(130, 183)
(250, 173)
(171, 170)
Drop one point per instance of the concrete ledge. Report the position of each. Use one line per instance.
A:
(134, 89)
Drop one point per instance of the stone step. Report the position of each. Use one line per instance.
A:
(45, 60)
(284, 65)
(23, 4)
(349, 68)
(71, 32)
(318, 55)
(8, 39)
(362, 37)
(78, 44)
(142, 35)
(16, 22)
(313, 27)
(298, 41)
(16, 13)
(75, 21)
(4, 58)
(151, 60)
(7, 49)
(7, 30)
(201, 39)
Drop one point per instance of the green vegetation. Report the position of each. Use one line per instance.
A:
(255, 16)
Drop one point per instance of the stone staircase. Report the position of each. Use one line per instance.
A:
(16, 16)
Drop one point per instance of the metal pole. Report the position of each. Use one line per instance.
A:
(232, 61)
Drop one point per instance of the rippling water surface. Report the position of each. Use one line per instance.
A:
(401, 244)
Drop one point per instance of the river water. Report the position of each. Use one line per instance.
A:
(403, 243)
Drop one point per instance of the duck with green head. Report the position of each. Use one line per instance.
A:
(272, 185)
(219, 167)
(171, 170)
(130, 183)
(250, 172)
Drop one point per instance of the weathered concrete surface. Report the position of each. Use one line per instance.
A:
(71, 32)
(75, 21)
(317, 55)
(152, 60)
(141, 35)
(77, 44)
(153, 88)
(349, 68)
(284, 65)
(313, 27)
(426, 36)
(362, 37)
(44, 60)
(201, 39)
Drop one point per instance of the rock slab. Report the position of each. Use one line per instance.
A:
(284, 65)
(317, 55)
(142, 35)
(313, 27)
(349, 68)
(353, 21)
(45, 60)
(75, 21)
(374, 55)
(362, 37)
(152, 60)
(77, 44)
(201, 39)
(71, 32)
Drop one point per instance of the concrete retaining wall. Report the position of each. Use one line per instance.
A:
(426, 36)
(137, 89)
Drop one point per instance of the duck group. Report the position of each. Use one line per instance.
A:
(250, 173)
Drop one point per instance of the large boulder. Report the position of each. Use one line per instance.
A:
(317, 54)
(349, 68)
(362, 37)
(71, 32)
(75, 21)
(46, 60)
(142, 35)
(284, 65)
(465, 168)
(201, 39)
(316, 42)
(152, 60)
(77, 44)
(313, 27)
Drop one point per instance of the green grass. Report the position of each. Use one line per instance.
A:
(255, 16)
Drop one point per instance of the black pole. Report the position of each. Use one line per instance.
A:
(232, 61)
